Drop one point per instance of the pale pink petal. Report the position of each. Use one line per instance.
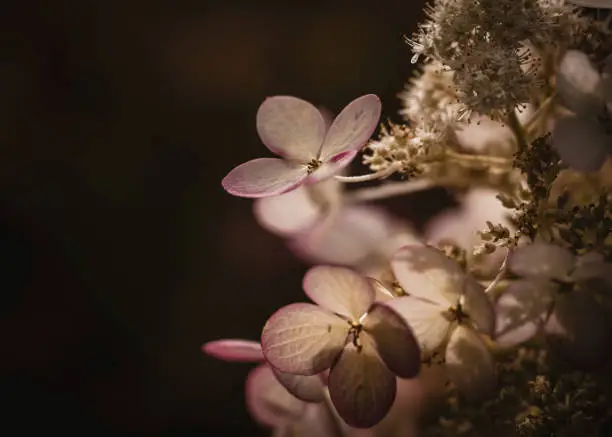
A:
(348, 238)
(476, 304)
(352, 128)
(426, 319)
(469, 364)
(579, 329)
(541, 260)
(427, 273)
(287, 214)
(291, 127)
(308, 388)
(521, 310)
(264, 177)
(579, 83)
(317, 421)
(267, 400)
(340, 290)
(234, 350)
(361, 386)
(302, 338)
(383, 292)
(394, 340)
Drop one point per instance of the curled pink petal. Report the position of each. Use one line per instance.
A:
(291, 127)
(361, 386)
(264, 177)
(353, 127)
(340, 290)
(234, 350)
(308, 388)
(267, 400)
(302, 338)
(394, 340)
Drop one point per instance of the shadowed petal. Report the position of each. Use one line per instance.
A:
(234, 350)
(394, 340)
(521, 310)
(427, 273)
(541, 260)
(425, 318)
(264, 177)
(340, 290)
(581, 142)
(579, 329)
(317, 421)
(478, 306)
(470, 364)
(302, 338)
(291, 127)
(361, 386)
(308, 388)
(267, 400)
(352, 128)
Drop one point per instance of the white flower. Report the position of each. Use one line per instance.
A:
(445, 308)
(582, 138)
(557, 292)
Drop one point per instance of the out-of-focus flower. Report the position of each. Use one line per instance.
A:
(461, 226)
(365, 344)
(601, 4)
(296, 130)
(445, 308)
(583, 137)
(557, 292)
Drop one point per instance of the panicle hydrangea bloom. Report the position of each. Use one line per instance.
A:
(364, 343)
(583, 137)
(311, 151)
(559, 293)
(447, 309)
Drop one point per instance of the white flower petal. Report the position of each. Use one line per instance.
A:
(427, 273)
(291, 127)
(581, 142)
(470, 364)
(579, 329)
(361, 386)
(394, 340)
(267, 400)
(478, 307)
(579, 84)
(352, 128)
(340, 290)
(264, 177)
(308, 388)
(302, 338)
(348, 238)
(541, 260)
(425, 318)
(287, 214)
(521, 310)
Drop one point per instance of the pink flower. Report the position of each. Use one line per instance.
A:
(296, 130)
(365, 344)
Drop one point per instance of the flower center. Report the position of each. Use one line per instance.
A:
(456, 314)
(313, 165)
(354, 332)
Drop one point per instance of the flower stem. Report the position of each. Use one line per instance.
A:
(517, 130)
(391, 189)
(381, 174)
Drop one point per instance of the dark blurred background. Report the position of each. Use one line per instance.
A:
(120, 252)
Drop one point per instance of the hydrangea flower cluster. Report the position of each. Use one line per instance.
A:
(494, 318)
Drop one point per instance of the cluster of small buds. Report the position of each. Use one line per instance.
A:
(483, 43)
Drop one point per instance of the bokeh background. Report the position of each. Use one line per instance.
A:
(120, 252)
